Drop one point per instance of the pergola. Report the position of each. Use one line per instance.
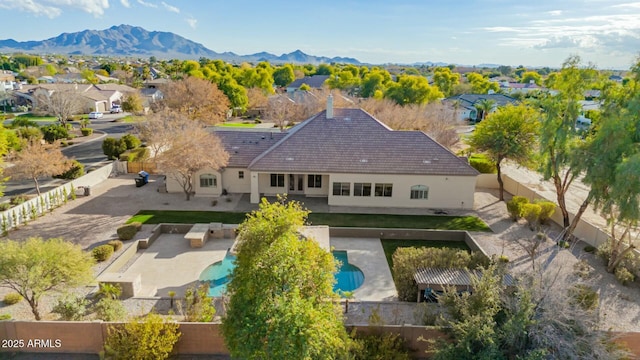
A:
(438, 279)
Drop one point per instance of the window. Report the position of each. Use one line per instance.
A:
(277, 180)
(419, 192)
(362, 189)
(341, 189)
(240, 174)
(208, 180)
(314, 181)
(384, 190)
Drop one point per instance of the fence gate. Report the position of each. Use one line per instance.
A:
(136, 167)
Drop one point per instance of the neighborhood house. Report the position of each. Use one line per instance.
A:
(346, 156)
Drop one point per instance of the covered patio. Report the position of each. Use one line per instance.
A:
(436, 280)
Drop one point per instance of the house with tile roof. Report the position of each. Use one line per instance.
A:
(314, 82)
(465, 105)
(346, 156)
(98, 97)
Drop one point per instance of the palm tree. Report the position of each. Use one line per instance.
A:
(484, 107)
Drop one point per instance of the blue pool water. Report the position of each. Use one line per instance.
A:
(348, 278)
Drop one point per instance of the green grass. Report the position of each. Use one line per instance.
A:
(32, 117)
(131, 119)
(240, 125)
(390, 246)
(470, 223)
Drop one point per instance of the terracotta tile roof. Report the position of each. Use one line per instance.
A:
(244, 146)
(355, 142)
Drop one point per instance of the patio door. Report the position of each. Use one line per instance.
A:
(296, 183)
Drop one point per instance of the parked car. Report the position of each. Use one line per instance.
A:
(95, 115)
(115, 109)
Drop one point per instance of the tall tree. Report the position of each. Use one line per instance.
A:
(374, 81)
(60, 102)
(37, 160)
(197, 99)
(37, 267)
(480, 84)
(559, 140)
(445, 80)
(281, 298)
(510, 133)
(412, 89)
(188, 150)
(283, 75)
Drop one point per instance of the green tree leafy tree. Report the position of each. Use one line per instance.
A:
(481, 84)
(412, 89)
(445, 80)
(560, 155)
(283, 75)
(37, 267)
(281, 298)
(132, 103)
(511, 133)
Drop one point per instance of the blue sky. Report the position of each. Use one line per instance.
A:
(530, 33)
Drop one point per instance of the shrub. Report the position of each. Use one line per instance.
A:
(18, 199)
(110, 291)
(115, 244)
(385, 346)
(482, 163)
(22, 121)
(108, 309)
(130, 141)
(149, 338)
(12, 298)
(199, 306)
(589, 249)
(75, 171)
(407, 260)
(582, 269)
(5, 206)
(547, 208)
(29, 133)
(531, 212)
(514, 206)
(102, 252)
(128, 231)
(624, 276)
(584, 296)
(86, 131)
(54, 132)
(503, 259)
(71, 308)
(5, 317)
(139, 154)
(113, 147)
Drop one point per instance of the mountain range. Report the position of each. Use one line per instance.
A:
(134, 41)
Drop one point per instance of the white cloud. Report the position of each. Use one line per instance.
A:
(147, 4)
(53, 8)
(555, 12)
(171, 8)
(125, 3)
(192, 22)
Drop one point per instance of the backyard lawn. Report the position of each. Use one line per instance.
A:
(469, 223)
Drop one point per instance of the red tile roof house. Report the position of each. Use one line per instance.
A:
(346, 156)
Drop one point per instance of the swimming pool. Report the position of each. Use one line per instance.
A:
(348, 278)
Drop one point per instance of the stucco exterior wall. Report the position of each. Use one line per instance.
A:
(232, 182)
(446, 192)
(264, 185)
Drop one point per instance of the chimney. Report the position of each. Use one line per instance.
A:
(330, 107)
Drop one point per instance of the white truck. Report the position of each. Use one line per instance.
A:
(116, 109)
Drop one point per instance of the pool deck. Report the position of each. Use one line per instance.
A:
(368, 255)
(170, 264)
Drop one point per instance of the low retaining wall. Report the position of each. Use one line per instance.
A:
(408, 234)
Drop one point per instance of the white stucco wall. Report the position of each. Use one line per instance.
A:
(446, 192)
(232, 182)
